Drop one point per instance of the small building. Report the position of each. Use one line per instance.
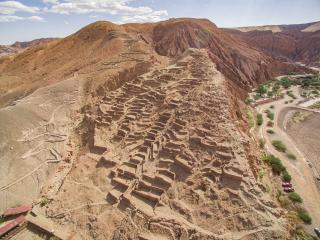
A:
(12, 225)
(17, 210)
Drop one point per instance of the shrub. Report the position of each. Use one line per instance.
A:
(279, 146)
(43, 202)
(295, 197)
(274, 162)
(286, 176)
(275, 88)
(266, 158)
(259, 119)
(270, 94)
(291, 156)
(304, 216)
(262, 142)
(277, 165)
(270, 115)
(286, 102)
(261, 173)
(270, 131)
(270, 124)
(272, 106)
(285, 82)
(256, 97)
(261, 90)
(248, 100)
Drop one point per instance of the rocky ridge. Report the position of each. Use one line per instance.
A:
(297, 43)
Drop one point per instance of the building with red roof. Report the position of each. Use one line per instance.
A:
(17, 210)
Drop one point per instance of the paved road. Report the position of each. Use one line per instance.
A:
(303, 176)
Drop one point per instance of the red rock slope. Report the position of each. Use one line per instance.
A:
(298, 43)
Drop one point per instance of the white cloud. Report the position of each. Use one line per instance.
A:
(113, 7)
(121, 8)
(95, 16)
(11, 7)
(35, 19)
(6, 18)
(50, 1)
(155, 16)
(13, 18)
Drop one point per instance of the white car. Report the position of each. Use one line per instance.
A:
(317, 231)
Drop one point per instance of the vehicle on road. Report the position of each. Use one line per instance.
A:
(317, 231)
(286, 184)
(288, 189)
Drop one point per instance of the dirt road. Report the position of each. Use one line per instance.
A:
(303, 176)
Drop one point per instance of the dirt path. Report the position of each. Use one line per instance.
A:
(33, 134)
(303, 176)
(27, 175)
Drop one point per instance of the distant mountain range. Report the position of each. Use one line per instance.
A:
(297, 42)
(20, 46)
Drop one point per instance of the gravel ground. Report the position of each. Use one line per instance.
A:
(306, 135)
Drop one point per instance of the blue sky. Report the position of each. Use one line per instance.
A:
(24, 20)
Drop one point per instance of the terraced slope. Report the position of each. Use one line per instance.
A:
(170, 162)
(155, 145)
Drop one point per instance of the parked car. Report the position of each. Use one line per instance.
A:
(286, 184)
(288, 189)
(317, 231)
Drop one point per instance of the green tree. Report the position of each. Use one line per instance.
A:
(295, 197)
(279, 146)
(304, 216)
(286, 176)
(259, 119)
(261, 90)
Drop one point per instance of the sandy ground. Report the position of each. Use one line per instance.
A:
(306, 135)
(33, 133)
(303, 176)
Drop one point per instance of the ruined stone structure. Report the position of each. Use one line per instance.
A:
(170, 156)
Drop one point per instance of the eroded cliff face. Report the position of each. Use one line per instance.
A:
(298, 44)
(88, 51)
(236, 59)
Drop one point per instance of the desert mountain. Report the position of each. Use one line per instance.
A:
(87, 50)
(17, 47)
(298, 43)
(138, 131)
(306, 27)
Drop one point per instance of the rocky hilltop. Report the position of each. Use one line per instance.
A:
(298, 43)
(139, 131)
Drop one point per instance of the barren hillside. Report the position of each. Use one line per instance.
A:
(298, 43)
(17, 47)
(138, 131)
